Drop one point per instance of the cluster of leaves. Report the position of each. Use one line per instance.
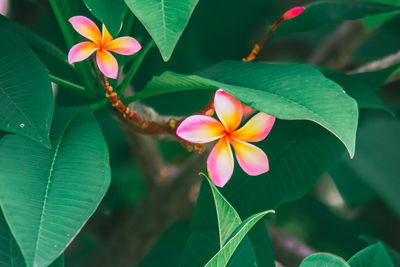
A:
(55, 167)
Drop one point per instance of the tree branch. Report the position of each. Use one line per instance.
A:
(336, 50)
(379, 64)
(288, 251)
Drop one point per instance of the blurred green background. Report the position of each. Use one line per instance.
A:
(356, 197)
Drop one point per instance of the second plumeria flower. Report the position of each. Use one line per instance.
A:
(204, 129)
(102, 44)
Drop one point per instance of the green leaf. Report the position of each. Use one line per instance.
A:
(111, 13)
(259, 238)
(168, 248)
(165, 20)
(394, 255)
(363, 87)
(379, 43)
(204, 238)
(378, 170)
(287, 91)
(299, 153)
(223, 256)
(10, 254)
(228, 218)
(31, 38)
(48, 195)
(372, 256)
(324, 259)
(330, 11)
(26, 96)
(374, 21)
(231, 231)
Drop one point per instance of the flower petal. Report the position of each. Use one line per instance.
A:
(105, 37)
(252, 159)
(86, 28)
(220, 163)
(108, 65)
(200, 129)
(247, 111)
(81, 51)
(228, 109)
(256, 129)
(123, 46)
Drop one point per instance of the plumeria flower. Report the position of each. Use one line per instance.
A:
(204, 129)
(101, 44)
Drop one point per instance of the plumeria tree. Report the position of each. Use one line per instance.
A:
(119, 139)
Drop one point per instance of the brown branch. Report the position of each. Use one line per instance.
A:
(292, 13)
(288, 251)
(157, 125)
(379, 64)
(164, 204)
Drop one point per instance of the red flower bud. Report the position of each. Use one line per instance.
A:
(294, 12)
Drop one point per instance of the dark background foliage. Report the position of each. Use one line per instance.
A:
(337, 199)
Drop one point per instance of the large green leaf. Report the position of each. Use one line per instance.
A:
(324, 259)
(259, 238)
(165, 20)
(287, 91)
(363, 87)
(10, 254)
(48, 195)
(373, 256)
(168, 249)
(330, 11)
(26, 96)
(299, 154)
(379, 134)
(111, 13)
(31, 38)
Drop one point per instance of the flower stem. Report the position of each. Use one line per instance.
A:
(292, 13)
(67, 84)
(135, 66)
(99, 105)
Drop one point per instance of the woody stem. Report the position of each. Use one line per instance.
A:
(257, 47)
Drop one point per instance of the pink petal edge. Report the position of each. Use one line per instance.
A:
(256, 129)
(81, 52)
(200, 129)
(107, 64)
(220, 163)
(250, 158)
(86, 28)
(123, 46)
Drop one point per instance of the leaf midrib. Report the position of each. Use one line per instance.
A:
(164, 22)
(48, 184)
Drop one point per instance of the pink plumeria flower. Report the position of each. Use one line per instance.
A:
(204, 129)
(100, 43)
